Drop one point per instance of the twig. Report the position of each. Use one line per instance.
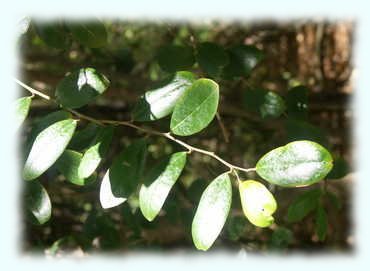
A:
(223, 128)
(142, 129)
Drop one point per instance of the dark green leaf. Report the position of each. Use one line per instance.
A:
(68, 164)
(299, 163)
(160, 102)
(301, 130)
(321, 225)
(196, 189)
(296, 101)
(83, 138)
(95, 153)
(91, 33)
(303, 205)
(235, 227)
(172, 58)
(37, 202)
(340, 169)
(47, 148)
(267, 103)
(22, 106)
(81, 87)
(158, 184)
(281, 238)
(211, 58)
(53, 34)
(334, 199)
(212, 212)
(196, 108)
(242, 60)
(124, 175)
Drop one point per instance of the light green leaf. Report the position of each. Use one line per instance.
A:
(68, 164)
(90, 33)
(160, 102)
(212, 58)
(37, 202)
(212, 212)
(196, 108)
(158, 184)
(321, 223)
(95, 153)
(47, 148)
(53, 34)
(299, 163)
(257, 202)
(172, 58)
(106, 197)
(303, 205)
(22, 106)
(81, 87)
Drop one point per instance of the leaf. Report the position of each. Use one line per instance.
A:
(172, 58)
(212, 211)
(68, 165)
(301, 130)
(53, 34)
(82, 138)
(257, 202)
(196, 108)
(211, 58)
(37, 202)
(158, 184)
(195, 190)
(95, 153)
(160, 102)
(47, 148)
(81, 87)
(22, 106)
(123, 176)
(90, 33)
(297, 102)
(281, 238)
(334, 200)
(299, 163)
(242, 60)
(267, 103)
(235, 227)
(340, 169)
(303, 205)
(321, 225)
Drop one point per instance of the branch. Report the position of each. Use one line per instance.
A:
(190, 148)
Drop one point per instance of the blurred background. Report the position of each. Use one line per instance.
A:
(314, 54)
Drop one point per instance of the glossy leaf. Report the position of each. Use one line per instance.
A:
(95, 153)
(340, 169)
(160, 102)
(22, 106)
(172, 58)
(68, 164)
(321, 223)
(82, 138)
(297, 102)
(47, 148)
(52, 34)
(196, 108)
(90, 33)
(81, 87)
(257, 202)
(212, 58)
(37, 202)
(212, 211)
(267, 103)
(299, 163)
(301, 130)
(303, 205)
(124, 175)
(158, 184)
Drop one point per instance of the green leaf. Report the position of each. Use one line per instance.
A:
(257, 202)
(340, 169)
(124, 175)
(196, 108)
(267, 103)
(297, 102)
(91, 33)
(196, 189)
(301, 130)
(334, 199)
(212, 212)
(95, 153)
(53, 34)
(158, 184)
(81, 87)
(321, 225)
(82, 138)
(37, 202)
(235, 227)
(47, 148)
(281, 238)
(22, 106)
(68, 164)
(172, 58)
(299, 163)
(303, 205)
(242, 60)
(212, 58)
(160, 102)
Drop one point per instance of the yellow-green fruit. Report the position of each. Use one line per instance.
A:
(257, 202)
